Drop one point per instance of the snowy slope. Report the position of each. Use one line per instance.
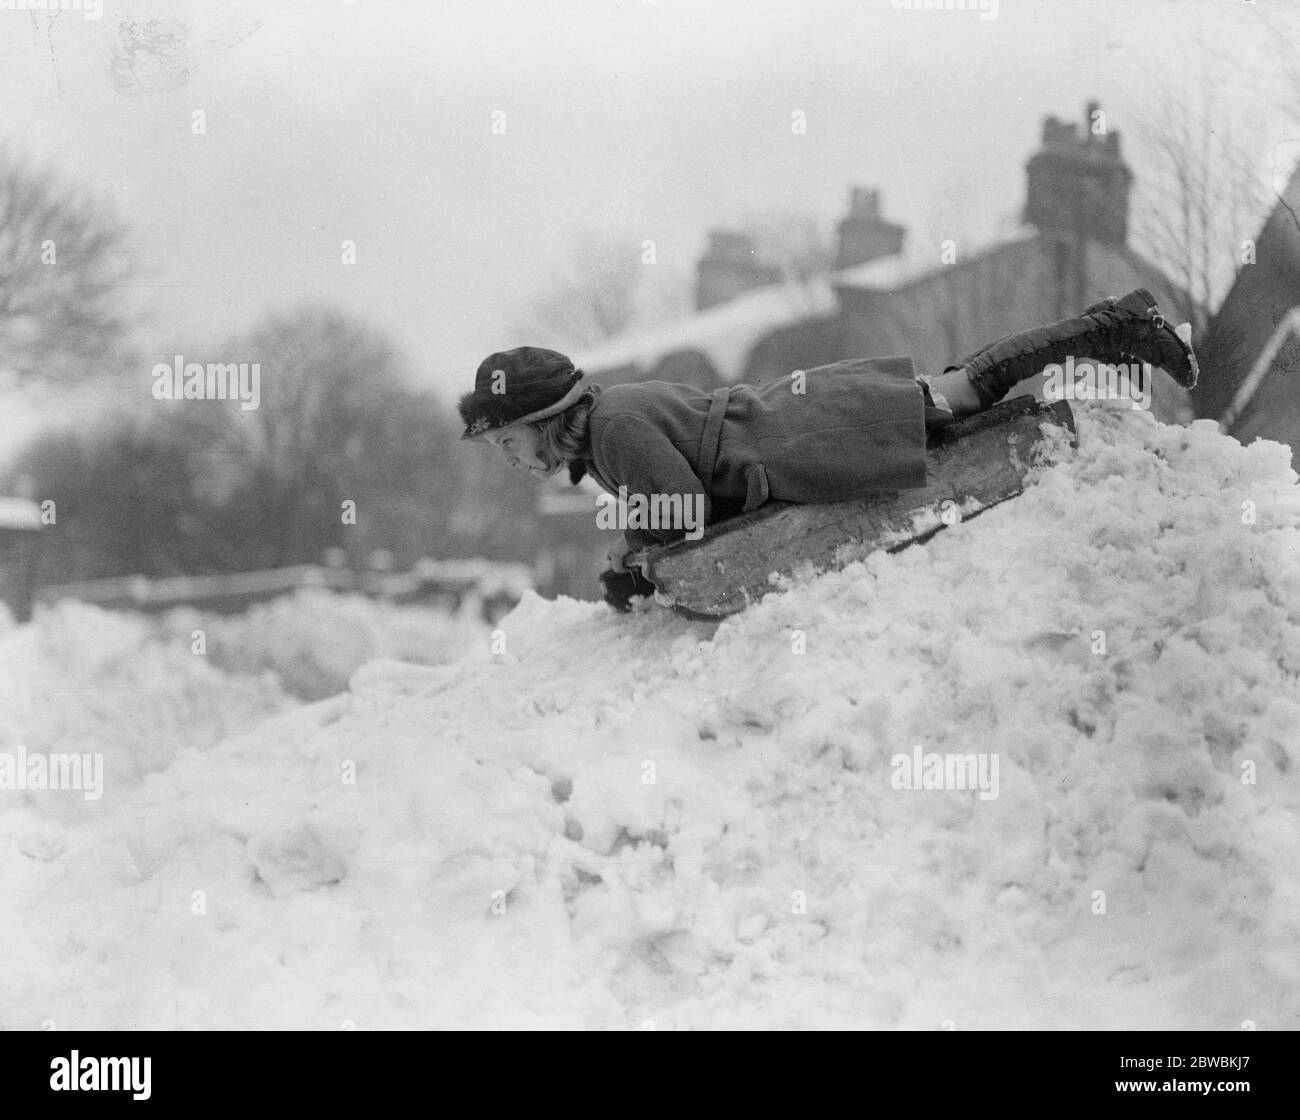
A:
(502, 857)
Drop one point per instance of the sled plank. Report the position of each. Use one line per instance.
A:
(984, 458)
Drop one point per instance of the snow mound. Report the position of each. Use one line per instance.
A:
(84, 680)
(313, 640)
(604, 821)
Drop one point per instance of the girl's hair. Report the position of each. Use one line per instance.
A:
(565, 437)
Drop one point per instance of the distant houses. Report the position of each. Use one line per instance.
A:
(935, 304)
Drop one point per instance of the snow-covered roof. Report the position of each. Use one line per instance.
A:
(887, 272)
(19, 513)
(724, 334)
(890, 273)
(1250, 384)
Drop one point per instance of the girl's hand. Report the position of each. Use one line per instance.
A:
(617, 554)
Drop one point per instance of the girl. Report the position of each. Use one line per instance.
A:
(833, 433)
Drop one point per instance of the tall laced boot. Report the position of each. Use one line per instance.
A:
(1129, 330)
(966, 361)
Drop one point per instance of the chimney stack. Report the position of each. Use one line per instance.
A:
(729, 267)
(864, 235)
(1077, 181)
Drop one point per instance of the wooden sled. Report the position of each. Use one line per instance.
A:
(973, 464)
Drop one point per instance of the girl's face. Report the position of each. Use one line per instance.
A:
(518, 444)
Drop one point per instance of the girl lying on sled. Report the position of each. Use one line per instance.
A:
(847, 430)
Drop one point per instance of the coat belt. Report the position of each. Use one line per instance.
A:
(712, 438)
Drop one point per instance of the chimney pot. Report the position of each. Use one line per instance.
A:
(1079, 184)
(863, 234)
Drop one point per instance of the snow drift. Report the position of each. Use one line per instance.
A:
(623, 821)
(80, 679)
(312, 641)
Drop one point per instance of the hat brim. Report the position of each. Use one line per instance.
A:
(575, 391)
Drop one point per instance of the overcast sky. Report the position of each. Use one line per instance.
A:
(653, 120)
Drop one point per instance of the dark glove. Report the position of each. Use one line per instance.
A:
(622, 587)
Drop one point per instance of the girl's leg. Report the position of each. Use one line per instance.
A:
(1127, 330)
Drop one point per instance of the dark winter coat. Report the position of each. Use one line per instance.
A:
(857, 429)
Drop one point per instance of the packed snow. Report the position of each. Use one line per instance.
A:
(602, 821)
(312, 641)
(84, 680)
(139, 689)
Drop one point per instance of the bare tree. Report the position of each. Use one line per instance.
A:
(329, 385)
(1289, 102)
(1210, 192)
(1203, 195)
(62, 261)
